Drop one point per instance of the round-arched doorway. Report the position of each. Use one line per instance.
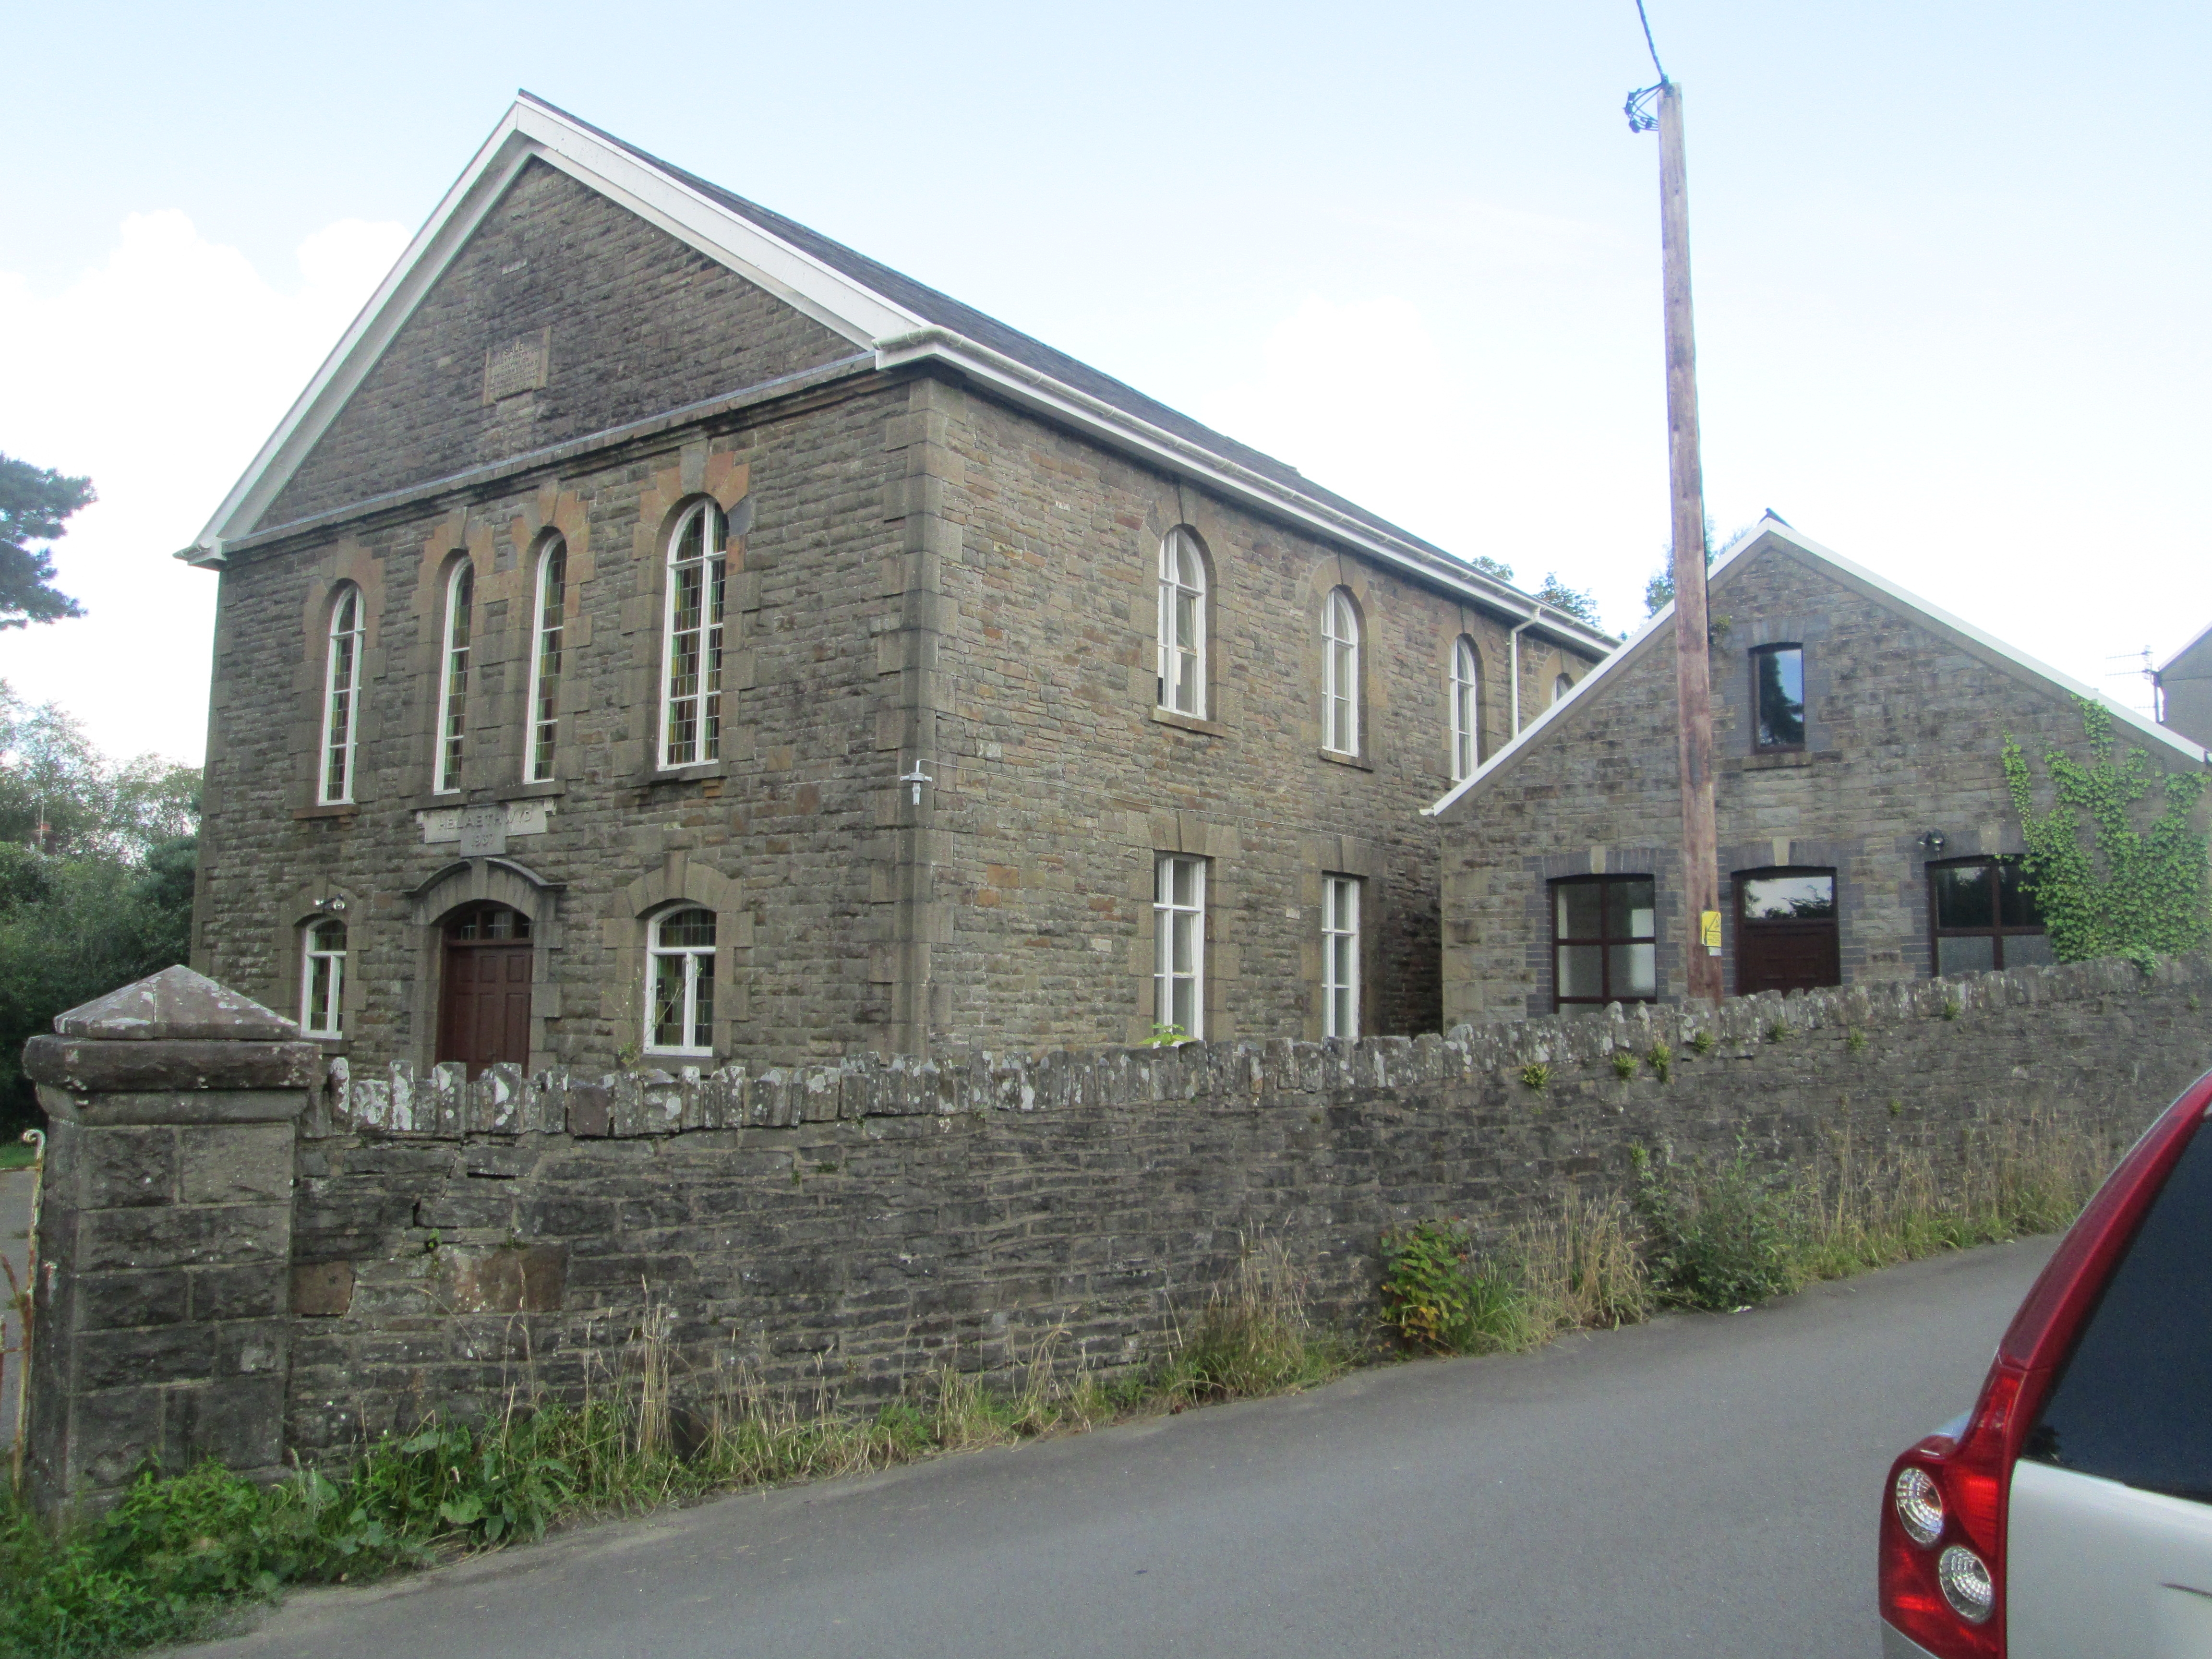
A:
(483, 992)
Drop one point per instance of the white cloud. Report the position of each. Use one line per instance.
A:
(159, 372)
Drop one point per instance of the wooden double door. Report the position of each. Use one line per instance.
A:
(483, 995)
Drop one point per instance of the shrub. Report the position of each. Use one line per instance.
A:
(1722, 1239)
(1624, 1064)
(1661, 1059)
(1535, 1075)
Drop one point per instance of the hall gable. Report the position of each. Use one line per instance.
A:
(561, 315)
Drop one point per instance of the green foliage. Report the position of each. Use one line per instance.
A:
(1536, 1075)
(1624, 1064)
(1777, 1029)
(2127, 891)
(35, 504)
(1952, 1007)
(1497, 568)
(1661, 1059)
(1720, 1238)
(97, 870)
(1576, 603)
(1165, 1036)
(1854, 1040)
(1426, 1287)
(1703, 1042)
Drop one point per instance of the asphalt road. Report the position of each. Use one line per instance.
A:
(15, 1245)
(1702, 1485)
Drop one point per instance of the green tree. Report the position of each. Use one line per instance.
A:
(35, 503)
(96, 869)
(2124, 891)
(1561, 596)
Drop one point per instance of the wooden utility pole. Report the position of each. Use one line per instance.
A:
(1693, 680)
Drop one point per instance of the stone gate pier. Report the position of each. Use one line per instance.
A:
(162, 1319)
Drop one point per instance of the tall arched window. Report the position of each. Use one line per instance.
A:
(545, 661)
(1339, 628)
(453, 679)
(680, 1012)
(1183, 625)
(322, 978)
(691, 726)
(341, 696)
(1466, 710)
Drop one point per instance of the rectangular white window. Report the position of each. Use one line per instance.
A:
(1339, 956)
(681, 1018)
(322, 979)
(1179, 932)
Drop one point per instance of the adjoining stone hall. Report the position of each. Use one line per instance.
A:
(660, 633)
(1866, 831)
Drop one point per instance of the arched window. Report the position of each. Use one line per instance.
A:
(1340, 690)
(322, 978)
(341, 696)
(546, 662)
(691, 726)
(1183, 625)
(1466, 710)
(454, 696)
(1560, 687)
(680, 1015)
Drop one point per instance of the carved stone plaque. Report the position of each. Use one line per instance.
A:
(518, 366)
(483, 831)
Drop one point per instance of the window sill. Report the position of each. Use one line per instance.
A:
(704, 769)
(344, 809)
(677, 1054)
(1334, 758)
(531, 791)
(1187, 723)
(1777, 759)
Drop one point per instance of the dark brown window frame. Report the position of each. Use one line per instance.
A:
(1803, 721)
(1604, 942)
(1746, 925)
(1996, 931)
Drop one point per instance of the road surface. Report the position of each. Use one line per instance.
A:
(1703, 1485)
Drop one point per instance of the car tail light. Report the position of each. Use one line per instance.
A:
(1944, 1516)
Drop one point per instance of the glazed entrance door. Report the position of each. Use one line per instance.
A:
(484, 1001)
(1785, 932)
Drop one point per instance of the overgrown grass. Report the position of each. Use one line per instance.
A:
(180, 1553)
(1726, 1236)
(15, 1155)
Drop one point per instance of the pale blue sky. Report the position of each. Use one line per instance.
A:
(1950, 261)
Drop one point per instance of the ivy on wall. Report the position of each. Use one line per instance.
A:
(2106, 888)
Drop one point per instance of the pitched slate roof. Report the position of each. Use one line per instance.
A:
(1771, 530)
(900, 320)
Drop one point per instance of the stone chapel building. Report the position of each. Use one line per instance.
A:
(661, 633)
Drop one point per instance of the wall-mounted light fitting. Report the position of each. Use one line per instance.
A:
(1933, 841)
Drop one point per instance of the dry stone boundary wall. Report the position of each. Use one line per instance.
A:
(843, 1228)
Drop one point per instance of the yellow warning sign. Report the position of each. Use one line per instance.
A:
(1709, 930)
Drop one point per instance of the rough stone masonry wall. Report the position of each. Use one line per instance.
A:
(858, 1223)
(1905, 724)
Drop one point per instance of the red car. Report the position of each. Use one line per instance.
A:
(2070, 1513)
